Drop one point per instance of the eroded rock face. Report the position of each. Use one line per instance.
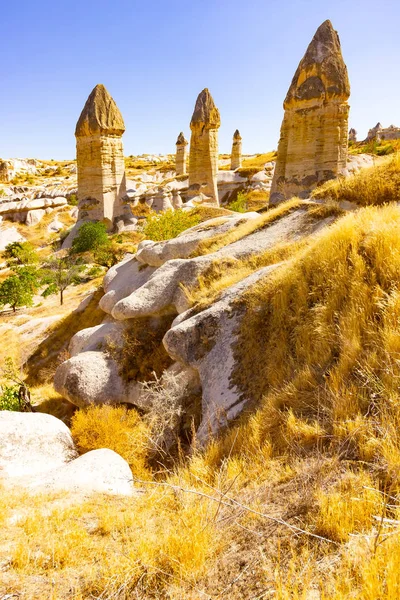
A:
(100, 158)
(152, 284)
(314, 133)
(236, 155)
(203, 158)
(181, 154)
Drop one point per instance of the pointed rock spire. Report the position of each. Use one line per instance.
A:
(236, 154)
(181, 139)
(203, 160)
(205, 110)
(314, 133)
(100, 115)
(100, 158)
(181, 154)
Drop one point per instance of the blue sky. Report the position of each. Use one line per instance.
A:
(155, 57)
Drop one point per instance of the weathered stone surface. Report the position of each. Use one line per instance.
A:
(11, 167)
(314, 133)
(92, 376)
(100, 158)
(181, 154)
(33, 443)
(33, 217)
(203, 159)
(379, 133)
(8, 235)
(99, 471)
(236, 155)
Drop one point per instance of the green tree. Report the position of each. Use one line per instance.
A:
(20, 253)
(19, 289)
(59, 273)
(91, 236)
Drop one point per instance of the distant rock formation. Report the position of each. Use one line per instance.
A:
(314, 133)
(100, 158)
(181, 154)
(236, 155)
(373, 133)
(352, 135)
(379, 133)
(203, 159)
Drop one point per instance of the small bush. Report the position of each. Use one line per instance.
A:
(240, 204)
(169, 224)
(73, 200)
(9, 397)
(91, 237)
(116, 428)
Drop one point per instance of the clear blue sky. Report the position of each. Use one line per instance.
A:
(155, 56)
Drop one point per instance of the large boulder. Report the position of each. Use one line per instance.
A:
(33, 443)
(98, 471)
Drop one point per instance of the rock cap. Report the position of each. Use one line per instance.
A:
(181, 140)
(100, 115)
(205, 110)
(236, 135)
(322, 72)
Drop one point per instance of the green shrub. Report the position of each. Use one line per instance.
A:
(73, 200)
(9, 397)
(240, 204)
(91, 236)
(169, 224)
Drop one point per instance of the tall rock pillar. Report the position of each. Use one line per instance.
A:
(181, 154)
(203, 158)
(100, 158)
(314, 133)
(236, 155)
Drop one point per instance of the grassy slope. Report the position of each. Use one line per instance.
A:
(320, 451)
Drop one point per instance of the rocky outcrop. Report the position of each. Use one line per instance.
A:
(12, 167)
(181, 154)
(37, 452)
(236, 154)
(352, 135)
(30, 211)
(314, 133)
(154, 283)
(379, 133)
(203, 158)
(100, 158)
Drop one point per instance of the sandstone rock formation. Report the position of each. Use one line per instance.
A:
(236, 155)
(352, 135)
(100, 158)
(379, 133)
(374, 132)
(181, 154)
(314, 133)
(151, 284)
(203, 158)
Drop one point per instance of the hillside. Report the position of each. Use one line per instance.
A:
(289, 487)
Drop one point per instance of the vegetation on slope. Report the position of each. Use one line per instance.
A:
(370, 186)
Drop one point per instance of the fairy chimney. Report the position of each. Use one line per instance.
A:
(181, 154)
(314, 132)
(100, 158)
(352, 135)
(203, 158)
(236, 155)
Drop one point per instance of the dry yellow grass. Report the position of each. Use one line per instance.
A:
(116, 428)
(371, 186)
(319, 450)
